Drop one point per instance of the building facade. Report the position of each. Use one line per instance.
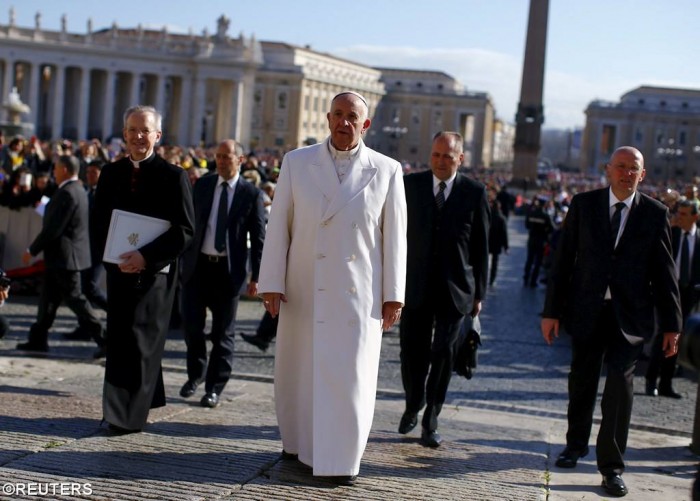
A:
(293, 90)
(268, 95)
(663, 123)
(78, 85)
(420, 103)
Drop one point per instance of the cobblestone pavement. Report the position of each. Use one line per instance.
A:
(501, 428)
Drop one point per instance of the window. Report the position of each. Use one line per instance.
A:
(282, 101)
(607, 139)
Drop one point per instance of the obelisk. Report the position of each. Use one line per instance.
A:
(530, 115)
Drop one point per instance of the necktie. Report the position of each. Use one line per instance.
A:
(440, 197)
(615, 221)
(222, 215)
(684, 276)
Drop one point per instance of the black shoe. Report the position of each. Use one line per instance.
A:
(569, 457)
(78, 334)
(348, 480)
(614, 485)
(210, 400)
(409, 420)
(100, 352)
(188, 389)
(430, 438)
(256, 341)
(113, 429)
(288, 456)
(650, 388)
(29, 346)
(667, 391)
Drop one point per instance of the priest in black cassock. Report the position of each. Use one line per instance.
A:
(141, 288)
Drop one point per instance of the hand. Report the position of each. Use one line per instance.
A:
(550, 329)
(4, 294)
(391, 313)
(133, 262)
(252, 289)
(271, 302)
(476, 308)
(670, 344)
(26, 258)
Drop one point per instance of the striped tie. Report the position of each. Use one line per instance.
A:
(440, 197)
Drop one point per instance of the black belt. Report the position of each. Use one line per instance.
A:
(213, 259)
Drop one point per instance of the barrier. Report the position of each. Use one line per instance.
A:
(18, 228)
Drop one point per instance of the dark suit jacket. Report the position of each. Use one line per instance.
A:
(246, 216)
(640, 270)
(64, 230)
(498, 231)
(162, 191)
(463, 239)
(690, 298)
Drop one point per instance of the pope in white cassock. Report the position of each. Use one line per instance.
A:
(333, 268)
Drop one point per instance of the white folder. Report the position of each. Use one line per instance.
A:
(129, 231)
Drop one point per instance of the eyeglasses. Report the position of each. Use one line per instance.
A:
(133, 131)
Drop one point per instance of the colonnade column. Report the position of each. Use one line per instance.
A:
(33, 98)
(184, 115)
(58, 100)
(134, 93)
(160, 94)
(109, 101)
(83, 103)
(7, 80)
(198, 109)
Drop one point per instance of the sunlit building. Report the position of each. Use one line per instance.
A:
(266, 94)
(663, 123)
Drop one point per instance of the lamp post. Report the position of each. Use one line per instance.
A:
(395, 132)
(670, 153)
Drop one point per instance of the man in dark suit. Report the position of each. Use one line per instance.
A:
(684, 240)
(498, 235)
(91, 277)
(140, 290)
(613, 267)
(539, 225)
(65, 242)
(228, 210)
(447, 238)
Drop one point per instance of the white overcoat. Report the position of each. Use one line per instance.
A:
(338, 252)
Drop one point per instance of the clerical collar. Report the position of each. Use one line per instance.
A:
(342, 155)
(137, 163)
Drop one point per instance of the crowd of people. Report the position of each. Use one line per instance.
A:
(356, 242)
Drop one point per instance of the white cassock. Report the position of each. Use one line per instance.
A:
(338, 252)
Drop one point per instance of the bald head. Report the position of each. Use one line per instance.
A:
(631, 151)
(229, 155)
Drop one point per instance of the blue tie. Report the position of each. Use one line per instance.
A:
(221, 217)
(615, 221)
(440, 197)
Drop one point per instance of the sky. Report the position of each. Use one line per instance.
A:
(596, 49)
